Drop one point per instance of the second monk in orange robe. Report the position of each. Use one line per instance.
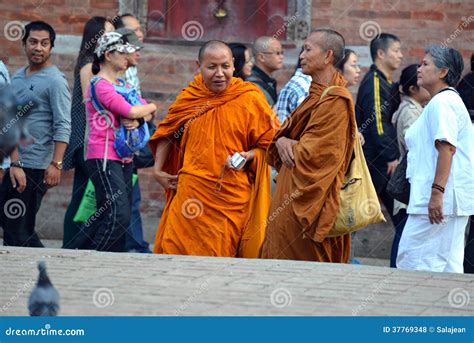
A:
(312, 151)
(212, 209)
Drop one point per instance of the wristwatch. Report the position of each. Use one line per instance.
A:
(58, 165)
(16, 164)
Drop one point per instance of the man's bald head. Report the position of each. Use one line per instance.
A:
(212, 45)
(261, 44)
(216, 64)
(330, 40)
(268, 54)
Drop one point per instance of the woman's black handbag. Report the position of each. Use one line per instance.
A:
(399, 187)
(144, 158)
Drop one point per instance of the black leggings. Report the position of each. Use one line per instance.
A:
(105, 230)
(71, 228)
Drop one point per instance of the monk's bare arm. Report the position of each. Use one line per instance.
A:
(166, 180)
(443, 168)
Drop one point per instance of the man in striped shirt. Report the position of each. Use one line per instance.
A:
(373, 111)
(293, 94)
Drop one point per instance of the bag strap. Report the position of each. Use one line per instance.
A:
(357, 145)
(325, 92)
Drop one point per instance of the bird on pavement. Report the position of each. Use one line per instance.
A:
(44, 299)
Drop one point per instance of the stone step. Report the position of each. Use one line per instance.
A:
(94, 283)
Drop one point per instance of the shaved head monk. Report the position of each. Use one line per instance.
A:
(312, 153)
(215, 205)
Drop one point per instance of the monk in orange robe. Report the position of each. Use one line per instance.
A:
(312, 151)
(212, 208)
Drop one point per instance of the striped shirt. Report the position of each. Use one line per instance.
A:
(293, 94)
(131, 77)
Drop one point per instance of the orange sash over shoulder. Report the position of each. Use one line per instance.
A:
(203, 128)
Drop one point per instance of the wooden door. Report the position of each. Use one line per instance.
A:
(202, 20)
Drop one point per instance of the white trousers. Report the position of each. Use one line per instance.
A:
(436, 248)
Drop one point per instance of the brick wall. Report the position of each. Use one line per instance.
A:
(417, 23)
(164, 70)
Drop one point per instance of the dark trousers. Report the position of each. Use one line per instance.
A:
(72, 228)
(378, 173)
(18, 210)
(469, 250)
(400, 219)
(105, 230)
(134, 239)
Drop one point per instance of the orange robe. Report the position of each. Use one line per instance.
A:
(306, 199)
(204, 128)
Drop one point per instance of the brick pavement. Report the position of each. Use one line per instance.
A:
(93, 283)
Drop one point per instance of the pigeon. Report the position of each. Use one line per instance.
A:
(44, 299)
(12, 115)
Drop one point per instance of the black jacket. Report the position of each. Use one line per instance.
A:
(373, 118)
(267, 84)
(466, 91)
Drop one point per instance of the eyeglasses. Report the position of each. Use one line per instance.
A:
(278, 53)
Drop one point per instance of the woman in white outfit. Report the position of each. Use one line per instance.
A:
(440, 166)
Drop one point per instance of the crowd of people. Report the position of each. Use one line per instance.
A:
(248, 171)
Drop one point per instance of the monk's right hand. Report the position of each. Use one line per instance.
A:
(285, 150)
(167, 181)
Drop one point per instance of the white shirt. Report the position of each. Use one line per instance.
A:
(445, 118)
